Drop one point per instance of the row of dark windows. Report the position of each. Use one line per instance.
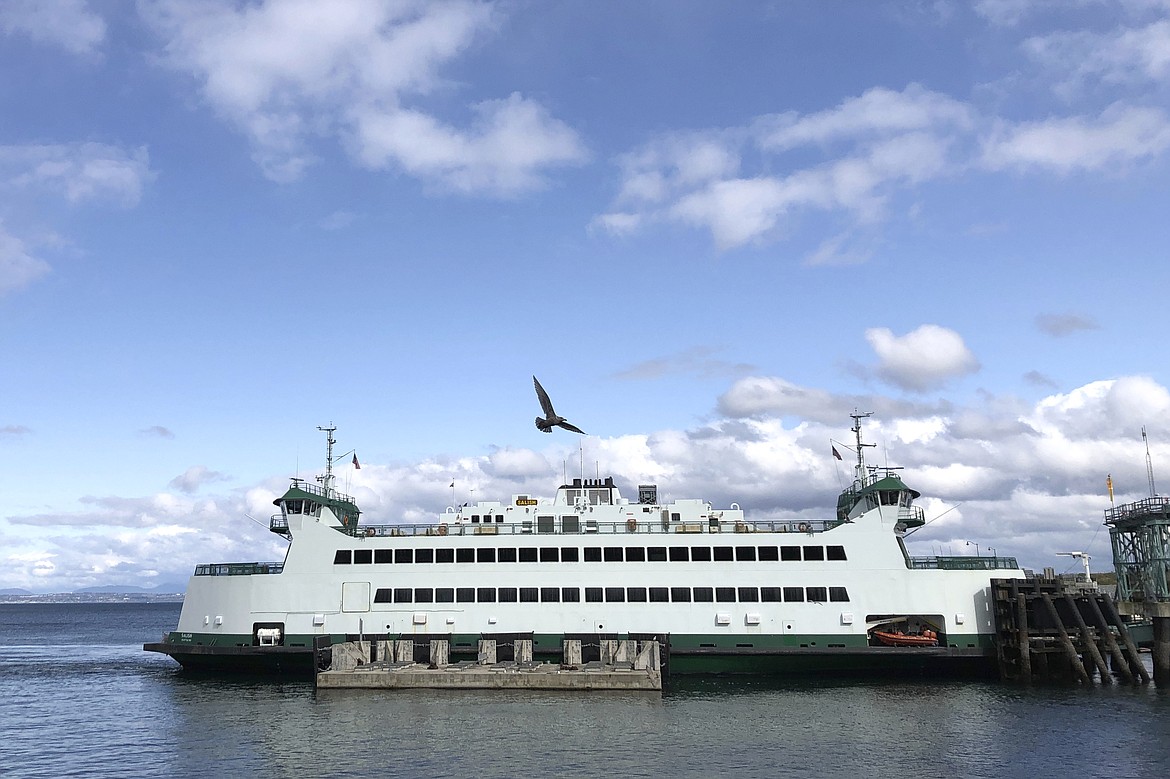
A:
(611, 595)
(591, 554)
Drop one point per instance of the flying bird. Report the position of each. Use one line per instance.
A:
(550, 419)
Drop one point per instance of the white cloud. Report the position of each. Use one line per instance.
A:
(510, 145)
(1120, 136)
(79, 172)
(877, 112)
(195, 477)
(1029, 478)
(288, 72)
(924, 358)
(1125, 55)
(864, 150)
(18, 268)
(69, 24)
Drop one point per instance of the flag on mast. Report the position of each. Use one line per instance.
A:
(356, 464)
(835, 452)
(1109, 484)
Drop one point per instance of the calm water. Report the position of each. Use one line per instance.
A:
(79, 697)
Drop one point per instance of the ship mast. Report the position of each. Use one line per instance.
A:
(857, 417)
(327, 479)
(1149, 463)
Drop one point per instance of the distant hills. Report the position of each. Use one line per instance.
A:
(129, 589)
(167, 591)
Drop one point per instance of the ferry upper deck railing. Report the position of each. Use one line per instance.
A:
(592, 527)
(318, 490)
(963, 563)
(237, 569)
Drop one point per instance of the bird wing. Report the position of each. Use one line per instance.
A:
(545, 403)
(572, 428)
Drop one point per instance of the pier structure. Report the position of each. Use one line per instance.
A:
(411, 663)
(1048, 631)
(1140, 535)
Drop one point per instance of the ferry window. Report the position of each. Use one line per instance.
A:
(402, 595)
(769, 553)
(424, 555)
(636, 594)
(889, 497)
(465, 595)
(343, 557)
(659, 595)
(383, 555)
(403, 555)
(745, 554)
(593, 595)
(506, 555)
(613, 554)
(499, 519)
(814, 553)
(793, 594)
(770, 594)
(678, 554)
(817, 594)
(424, 595)
(292, 506)
(615, 594)
(656, 554)
(545, 524)
(485, 555)
(675, 516)
(593, 554)
(748, 594)
(550, 594)
(465, 555)
(382, 596)
(789, 553)
(527, 555)
(701, 554)
(444, 555)
(569, 554)
(835, 552)
(680, 594)
(485, 594)
(635, 554)
(838, 594)
(570, 524)
(704, 595)
(445, 595)
(725, 594)
(570, 594)
(507, 594)
(363, 556)
(529, 594)
(475, 518)
(549, 554)
(723, 553)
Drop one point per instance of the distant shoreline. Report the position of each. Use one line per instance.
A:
(94, 597)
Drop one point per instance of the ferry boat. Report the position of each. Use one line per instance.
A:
(723, 591)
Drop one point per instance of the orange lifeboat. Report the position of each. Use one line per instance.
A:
(925, 638)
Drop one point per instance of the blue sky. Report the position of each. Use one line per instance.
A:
(712, 231)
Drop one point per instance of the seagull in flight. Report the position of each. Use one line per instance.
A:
(550, 419)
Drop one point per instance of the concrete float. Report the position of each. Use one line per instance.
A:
(626, 665)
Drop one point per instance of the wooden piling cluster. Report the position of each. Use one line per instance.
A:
(628, 664)
(1047, 632)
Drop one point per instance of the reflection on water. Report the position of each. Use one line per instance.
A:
(109, 709)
